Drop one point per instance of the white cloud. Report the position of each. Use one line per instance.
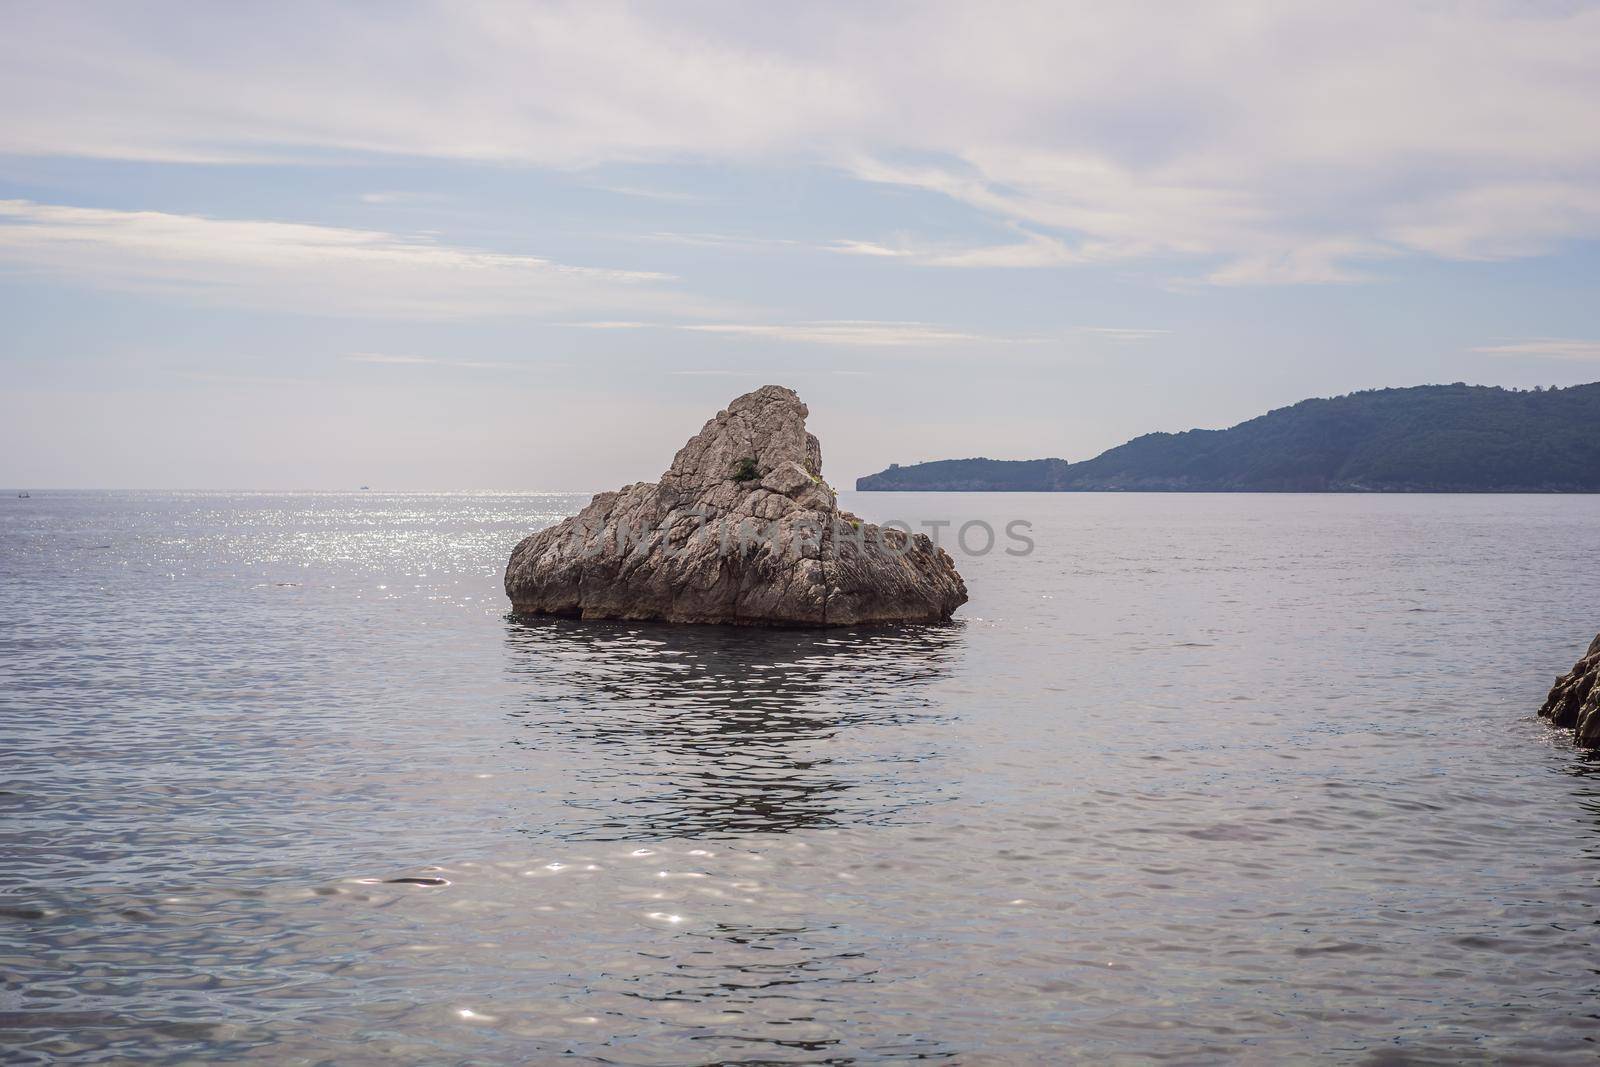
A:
(252, 380)
(1270, 142)
(1503, 221)
(1032, 250)
(756, 374)
(1546, 347)
(639, 192)
(422, 361)
(720, 240)
(1309, 262)
(852, 332)
(319, 269)
(1124, 334)
(400, 197)
(867, 334)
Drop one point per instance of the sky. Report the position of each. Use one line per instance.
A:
(535, 246)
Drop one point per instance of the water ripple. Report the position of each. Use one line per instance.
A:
(1203, 780)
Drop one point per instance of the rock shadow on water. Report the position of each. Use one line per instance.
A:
(694, 732)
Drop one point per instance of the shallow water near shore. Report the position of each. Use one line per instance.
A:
(1204, 778)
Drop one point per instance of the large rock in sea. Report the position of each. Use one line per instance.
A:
(1574, 703)
(740, 529)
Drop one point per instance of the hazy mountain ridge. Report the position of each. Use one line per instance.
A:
(1429, 438)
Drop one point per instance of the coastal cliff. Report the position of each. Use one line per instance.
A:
(1432, 438)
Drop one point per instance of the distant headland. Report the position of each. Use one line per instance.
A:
(1426, 439)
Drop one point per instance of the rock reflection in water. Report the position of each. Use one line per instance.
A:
(713, 731)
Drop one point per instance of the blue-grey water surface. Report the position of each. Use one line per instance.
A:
(1203, 779)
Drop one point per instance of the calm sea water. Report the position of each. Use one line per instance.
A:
(1203, 779)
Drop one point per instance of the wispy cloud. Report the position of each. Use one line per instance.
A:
(1306, 262)
(1506, 220)
(721, 373)
(251, 380)
(852, 332)
(399, 197)
(641, 192)
(1124, 334)
(1545, 347)
(1259, 144)
(723, 240)
(293, 266)
(419, 361)
(1031, 250)
(867, 334)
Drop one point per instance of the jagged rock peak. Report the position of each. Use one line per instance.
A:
(742, 529)
(767, 426)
